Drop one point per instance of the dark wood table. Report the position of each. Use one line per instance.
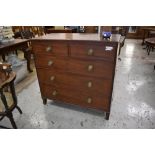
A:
(17, 44)
(146, 33)
(150, 44)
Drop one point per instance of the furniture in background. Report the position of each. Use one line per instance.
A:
(76, 68)
(71, 29)
(51, 30)
(36, 30)
(150, 44)
(15, 45)
(147, 33)
(8, 98)
(138, 32)
(90, 29)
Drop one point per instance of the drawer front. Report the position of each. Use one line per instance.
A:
(50, 62)
(93, 51)
(89, 85)
(50, 48)
(91, 68)
(75, 97)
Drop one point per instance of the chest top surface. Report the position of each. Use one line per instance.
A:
(78, 37)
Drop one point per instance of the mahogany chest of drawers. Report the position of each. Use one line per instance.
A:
(76, 69)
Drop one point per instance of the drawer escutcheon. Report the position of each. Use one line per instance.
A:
(48, 49)
(50, 62)
(52, 78)
(54, 93)
(89, 84)
(90, 52)
(89, 100)
(90, 67)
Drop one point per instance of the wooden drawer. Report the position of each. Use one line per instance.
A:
(90, 85)
(97, 51)
(50, 48)
(103, 69)
(75, 97)
(50, 62)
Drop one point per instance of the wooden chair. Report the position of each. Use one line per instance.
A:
(8, 98)
(38, 30)
(27, 34)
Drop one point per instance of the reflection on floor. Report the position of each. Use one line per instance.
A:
(133, 104)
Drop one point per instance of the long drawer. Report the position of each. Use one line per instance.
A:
(75, 82)
(53, 48)
(96, 51)
(98, 68)
(50, 62)
(76, 97)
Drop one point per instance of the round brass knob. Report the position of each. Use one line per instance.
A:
(89, 100)
(48, 49)
(90, 52)
(52, 78)
(50, 62)
(89, 84)
(90, 68)
(54, 93)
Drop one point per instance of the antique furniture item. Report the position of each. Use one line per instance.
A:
(8, 98)
(76, 68)
(146, 33)
(150, 44)
(17, 44)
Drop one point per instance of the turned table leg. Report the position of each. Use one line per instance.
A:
(27, 55)
(143, 37)
(3, 57)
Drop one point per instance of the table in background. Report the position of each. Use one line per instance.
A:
(150, 44)
(146, 33)
(17, 44)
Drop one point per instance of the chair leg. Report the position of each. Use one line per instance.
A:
(16, 53)
(148, 50)
(18, 108)
(1, 118)
(3, 127)
(3, 57)
(10, 116)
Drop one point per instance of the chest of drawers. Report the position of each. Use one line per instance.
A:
(76, 69)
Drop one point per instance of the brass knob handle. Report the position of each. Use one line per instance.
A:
(52, 78)
(89, 100)
(89, 84)
(54, 93)
(90, 68)
(48, 49)
(90, 52)
(50, 62)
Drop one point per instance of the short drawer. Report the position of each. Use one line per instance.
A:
(98, 51)
(50, 48)
(103, 69)
(76, 97)
(90, 85)
(50, 62)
